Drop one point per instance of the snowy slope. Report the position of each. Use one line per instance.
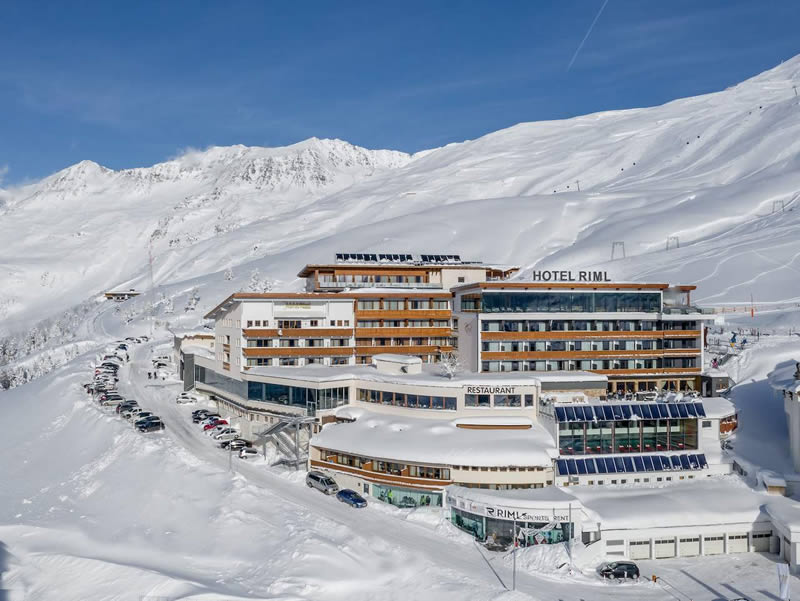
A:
(708, 170)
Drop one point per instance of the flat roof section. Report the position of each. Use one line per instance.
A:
(517, 285)
(435, 441)
(430, 375)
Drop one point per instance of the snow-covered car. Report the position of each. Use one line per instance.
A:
(111, 402)
(137, 414)
(186, 398)
(248, 453)
(199, 415)
(225, 434)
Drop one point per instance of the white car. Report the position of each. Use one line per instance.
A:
(247, 453)
(225, 434)
(217, 430)
(186, 398)
(135, 417)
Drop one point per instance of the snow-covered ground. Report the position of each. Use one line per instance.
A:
(91, 510)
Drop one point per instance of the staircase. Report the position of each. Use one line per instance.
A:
(291, 437)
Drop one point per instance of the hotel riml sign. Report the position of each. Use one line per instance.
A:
(567, 275)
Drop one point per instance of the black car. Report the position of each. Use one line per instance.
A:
(151, 426)
(199, 418)
(236, 444)
(619, 569)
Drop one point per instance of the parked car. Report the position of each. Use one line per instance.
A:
(213, 422)
(204, 417)
(217, 428)
(136, 417)
(619, 569)
(145, 420)
(236, 444)
(225, 434)
(199, 415)
(111, 402)
(185, 398)
(352, 498)
(129, 404)
(152, 426)
(322, 483)
(247, 453)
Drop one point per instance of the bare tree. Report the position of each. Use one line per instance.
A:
(449, 363)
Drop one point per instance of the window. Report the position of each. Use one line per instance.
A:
(507, 400)
(249, 323)
(340, 360)
(477, 400)
(461, 279)
(313, 323)
(288, 361)
(288, 342)
(315, 342)
(418, 305)
(368, 324)
(368, 305)
(441, 305)
(706, 424)
(529, 400)
(289, 323)
(340, 342)
(393, 305)
(258, 323)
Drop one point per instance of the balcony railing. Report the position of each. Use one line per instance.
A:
(343, 284)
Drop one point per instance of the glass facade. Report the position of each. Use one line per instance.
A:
(571, 302)
(401, 399)
(502, 531)
(627, 436)
(406, 497)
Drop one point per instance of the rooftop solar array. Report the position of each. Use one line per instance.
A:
(630, 464)
(397, 258)
(612, 412)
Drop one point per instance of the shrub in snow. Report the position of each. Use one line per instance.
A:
(229, 274)
(449, 363)
(258, 283)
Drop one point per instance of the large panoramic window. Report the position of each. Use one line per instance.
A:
(571, 302)
(400, 399)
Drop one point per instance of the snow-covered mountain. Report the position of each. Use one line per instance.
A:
(717, 174)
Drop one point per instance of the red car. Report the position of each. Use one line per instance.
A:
(212, 425)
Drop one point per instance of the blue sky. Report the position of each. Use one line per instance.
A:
(130, 84)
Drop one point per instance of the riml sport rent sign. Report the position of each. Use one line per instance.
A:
(567, 275)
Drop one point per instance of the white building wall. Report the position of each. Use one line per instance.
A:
(454, 276)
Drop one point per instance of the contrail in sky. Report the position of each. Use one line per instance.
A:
(583, 41)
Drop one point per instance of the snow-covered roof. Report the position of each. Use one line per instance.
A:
(435, 441)
(782, 377)
(703, 502)
(194, 349)
(519, 498)
(394, 358)
(718, 407)
(430, 375)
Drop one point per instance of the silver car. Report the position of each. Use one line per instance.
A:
(322, 483)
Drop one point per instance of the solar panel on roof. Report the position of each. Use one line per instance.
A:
(619, 464)
(684, 462)
(601, 466)
(701, 411)
(663, 412)
(611, 467)
(638, 462)
(590, 468)
(561, 465)
(647, 412)
(690, 409)
(571, 467)
(561, 415)
(628, 461)
(657, 465)
(580, 414)
(648, 463)
(626, 411)
(637, 410)
(682, 410)
(617, 412)
(676, 462)
(701, 459)
(581, 465)
(570, 413)
(673, 411)
(693, 463)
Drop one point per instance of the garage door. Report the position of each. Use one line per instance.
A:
(665, 548)
(690, 546)
(713, 545)
(761, 542)
(639, 549)
(737, 543)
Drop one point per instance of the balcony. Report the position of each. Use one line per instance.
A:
(330, 285)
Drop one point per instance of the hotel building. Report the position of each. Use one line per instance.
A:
(644, 337)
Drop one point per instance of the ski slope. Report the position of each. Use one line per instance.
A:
(720, 173)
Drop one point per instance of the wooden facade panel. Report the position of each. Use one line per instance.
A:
(585, 334)
(380, 477)
(404, 314)
(563, 355)
(403, 332)
(401, 350)
(298, 351)
(299, 333)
